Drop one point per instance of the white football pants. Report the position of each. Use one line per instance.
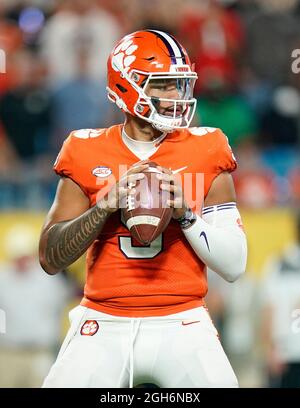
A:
(181, 350)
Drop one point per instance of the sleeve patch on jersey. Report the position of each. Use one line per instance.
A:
(102, 171)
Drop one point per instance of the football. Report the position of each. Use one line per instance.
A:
(146, 214)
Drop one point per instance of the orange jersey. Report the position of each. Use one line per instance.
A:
(123, 278)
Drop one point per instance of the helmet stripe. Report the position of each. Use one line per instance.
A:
(174, 50)
(180, 49)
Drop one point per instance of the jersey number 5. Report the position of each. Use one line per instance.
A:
(139, 252)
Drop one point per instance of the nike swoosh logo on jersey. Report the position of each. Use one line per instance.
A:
(187, 323)
(203, 234)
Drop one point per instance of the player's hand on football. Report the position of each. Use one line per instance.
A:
(171, 182)
(116, 197)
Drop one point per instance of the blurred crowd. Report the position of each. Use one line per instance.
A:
(56, 52)
(54, 82)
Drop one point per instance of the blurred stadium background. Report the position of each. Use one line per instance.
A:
(55, 82)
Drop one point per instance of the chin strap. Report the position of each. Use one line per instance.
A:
(162, 128)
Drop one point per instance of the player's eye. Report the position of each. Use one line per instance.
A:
(162, 86)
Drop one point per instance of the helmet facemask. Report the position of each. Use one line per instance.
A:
(167, 113)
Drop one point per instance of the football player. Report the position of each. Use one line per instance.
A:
(143, 317)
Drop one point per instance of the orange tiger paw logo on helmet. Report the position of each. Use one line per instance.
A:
(123, 58)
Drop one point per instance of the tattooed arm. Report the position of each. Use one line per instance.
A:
(71, 226)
